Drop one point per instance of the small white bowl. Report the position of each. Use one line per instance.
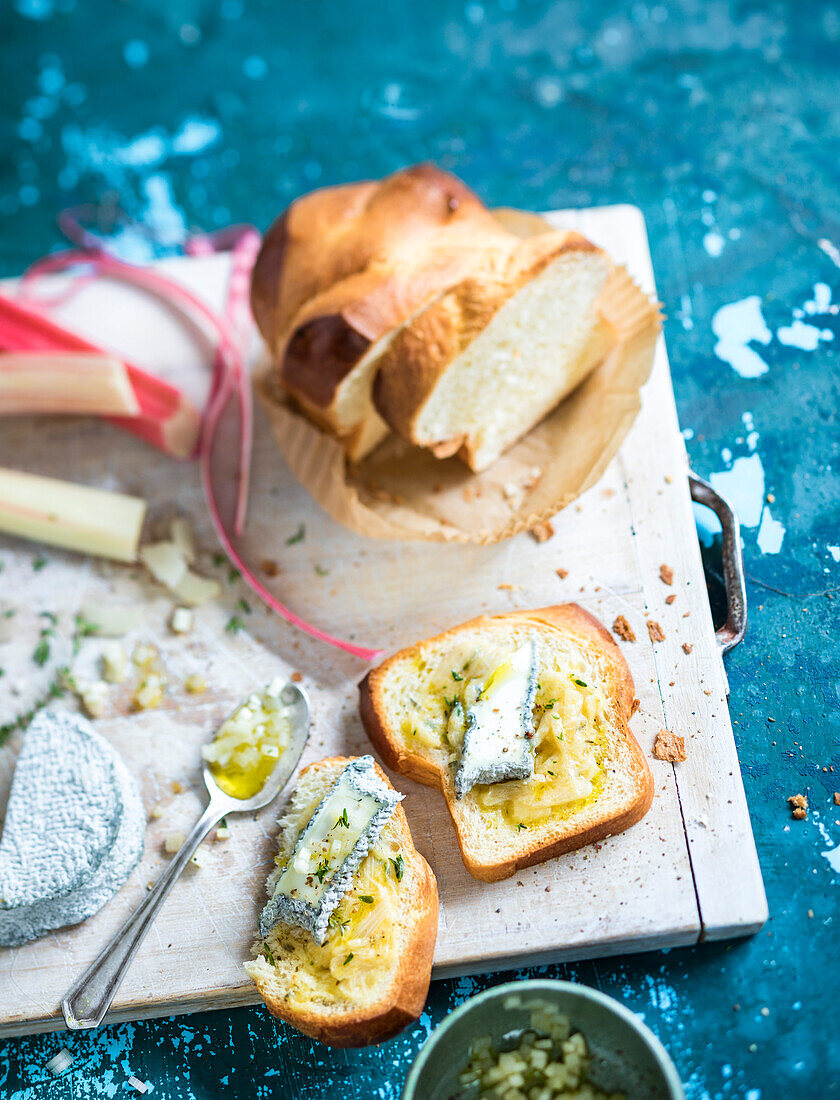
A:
(626, 1055)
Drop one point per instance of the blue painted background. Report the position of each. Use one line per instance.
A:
(719, 119)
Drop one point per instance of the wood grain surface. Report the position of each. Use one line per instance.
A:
(688, 871)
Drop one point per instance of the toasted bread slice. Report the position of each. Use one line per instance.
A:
(590, 777)
(476, 369)
(370, 978)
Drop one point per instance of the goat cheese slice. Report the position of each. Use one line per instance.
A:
(498, 739)
(73, 832)
(346, 824)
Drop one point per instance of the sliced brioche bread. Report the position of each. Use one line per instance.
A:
(343, 267)
(590, 778)
(487, 360)
(370, 978)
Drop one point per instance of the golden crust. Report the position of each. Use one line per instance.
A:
(405, 997)
(595, 825)
(344, 265)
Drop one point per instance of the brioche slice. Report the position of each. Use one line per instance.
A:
(590, 779)
(343, 267)
(370, 978)
(487, 360)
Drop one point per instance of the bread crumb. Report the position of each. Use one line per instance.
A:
(562, 573)
(542, 531)
(623, 629)
(270, 567)
(666, 574)
(669, 746)
(799, 806)
(635, 706)
(533, 478)
(837, 798)
(670, 599)
(296, 677)
(687, 647)
(176, 787)
(657, 634)
(506, 587)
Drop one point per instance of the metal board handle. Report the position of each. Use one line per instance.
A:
(733, 630)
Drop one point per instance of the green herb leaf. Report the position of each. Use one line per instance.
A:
(580, 683)
(84, 627)
(366, 898)
(41, 653)
(456, 675)
(338, 923)
(39, 563)
(549, 705)
(234, 625)
(343, 820)
(321, 571)
(268, 954)
(219, 559)
(399, 867)
(51, 618)
(233, 576)
(243, 605)
(322, 869)
(521, 825)
(347, 959)
(298, 536)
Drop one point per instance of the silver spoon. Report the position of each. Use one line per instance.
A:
(90, 998)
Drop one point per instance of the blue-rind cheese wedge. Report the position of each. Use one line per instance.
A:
(346, 824)
(73, 832)
(498, 721)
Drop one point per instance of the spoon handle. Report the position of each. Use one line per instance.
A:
(90, 998)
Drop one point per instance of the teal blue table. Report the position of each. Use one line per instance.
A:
(721, 121)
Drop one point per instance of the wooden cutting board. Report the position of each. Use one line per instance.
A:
(687, 872)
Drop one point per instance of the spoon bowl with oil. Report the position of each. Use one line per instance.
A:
(250, 760)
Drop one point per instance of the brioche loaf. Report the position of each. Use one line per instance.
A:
(370, 977)
(343, 267)
(590, 779)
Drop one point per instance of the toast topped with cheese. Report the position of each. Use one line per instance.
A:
(521, 720)
(349, 930)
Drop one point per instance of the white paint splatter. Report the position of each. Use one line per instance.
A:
(736, 325)
(833, 857)
(835, 552)
(714, 242)
(821, 301)
(831, 250)
(771, 533)
(195, 135)
(743, 487)
(802, 336)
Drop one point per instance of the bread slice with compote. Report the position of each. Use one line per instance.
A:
(370, 977)
(590, 778)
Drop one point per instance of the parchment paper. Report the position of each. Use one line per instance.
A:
(403, 492)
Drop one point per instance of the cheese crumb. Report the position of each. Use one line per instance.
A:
(195, 684)
(114, 663)
(173, 842)
(181, 621)
(94, 696)
(200, 856)
(60, 1062)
